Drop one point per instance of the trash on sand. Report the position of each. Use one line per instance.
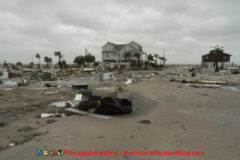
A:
(155, 73)
(3, 123)
(105, 76)
(10, 83)
(24, 82)
(193, 74)
(46, 115)
(88, 70)
(60, 115)
(47, 76)
(200, 82)
(145, 121)
(50, 85)
(88, 114)
(203, 85)
(175, 80)
(49, 121)
(85, 92)
(106, 105)
(106, 91)
(11, 144)
(209, 82)
(73, 103)
(8, 89)
(51, 93)
(60, 104)
(80, 86)
(78, 97)
(191, 69)
(129, 81)
(109, 89)
(5, 75)
(235, 71)
(231, 88)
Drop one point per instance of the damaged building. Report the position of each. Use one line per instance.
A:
(112, 52)
(216, 56)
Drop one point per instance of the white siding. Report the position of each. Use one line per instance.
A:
(108, 47)
(109, 52)
(127, 48)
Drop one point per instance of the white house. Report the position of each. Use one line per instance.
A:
(112, 52)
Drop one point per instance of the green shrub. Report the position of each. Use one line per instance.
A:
(46, 76)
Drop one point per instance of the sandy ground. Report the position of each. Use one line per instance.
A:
(182, 118)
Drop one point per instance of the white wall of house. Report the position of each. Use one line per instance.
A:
(125, 49)
(108, 47)
(110, 53)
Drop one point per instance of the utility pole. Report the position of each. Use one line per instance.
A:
(164, 52)
(86, 51)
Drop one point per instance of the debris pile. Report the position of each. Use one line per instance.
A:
(227, 79)
(87, 104)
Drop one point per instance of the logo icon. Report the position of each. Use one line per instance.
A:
(45, 152)
(38, 152)
(53, 153)
(60, 152)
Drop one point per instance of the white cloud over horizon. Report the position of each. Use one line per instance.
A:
(186, 28)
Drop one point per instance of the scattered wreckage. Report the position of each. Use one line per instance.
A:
(209, 84)
(94, 106)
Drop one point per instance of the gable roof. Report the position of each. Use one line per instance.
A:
(118, 47)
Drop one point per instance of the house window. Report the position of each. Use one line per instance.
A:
(106, 54)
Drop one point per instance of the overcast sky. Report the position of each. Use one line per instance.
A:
(186, 28)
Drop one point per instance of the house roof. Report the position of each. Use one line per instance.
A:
(121, 46)
(136, 44)
(211, 57)
(209, 54)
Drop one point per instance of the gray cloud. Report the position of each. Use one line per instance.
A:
(186, 28)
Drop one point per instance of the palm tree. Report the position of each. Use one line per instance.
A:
(79, 60)
(149, 60)
(164, 60)
(50, 60)
(127, 55)
(156, 58)
(150, 57)
(145, 56)
(38, 56)
(63, 64)
(19, 64)
(137, 55)
(217, 53)
(59, 55)
(89, 58)
(31, 64)
(46, 59)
